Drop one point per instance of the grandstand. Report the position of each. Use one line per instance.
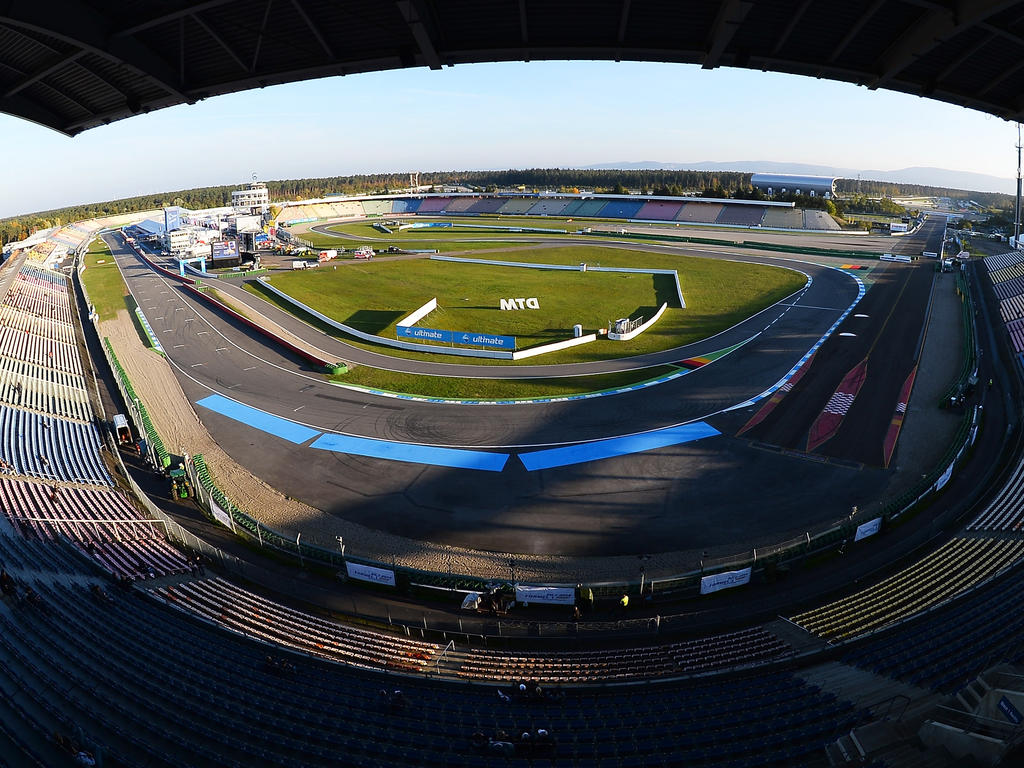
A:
(461, 204)
(515, 205)
(552, 207)
(659, 210)
(741, 216)
(700, 213)
(484, 206)
(376, 207)
(621, 209)
(608, 207)
(433, 205)
(1006, 274)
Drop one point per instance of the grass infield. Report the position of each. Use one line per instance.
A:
(374, 296)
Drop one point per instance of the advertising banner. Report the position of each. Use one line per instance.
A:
(870, 528)
(485, 340)
(726, 580)
(371, 574)
(546, 595)
(172, 218)
(423, 334)
(225, 249)
(220, 515)
(417, 333)
(1009, 711)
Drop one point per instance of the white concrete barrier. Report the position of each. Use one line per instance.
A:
(640, 328)
(522, 354)
(418, 315)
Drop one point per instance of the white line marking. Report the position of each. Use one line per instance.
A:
(195, 366)
(253, 368)
(177, 346)
(809, 306)
(298, 409)
(220, 349)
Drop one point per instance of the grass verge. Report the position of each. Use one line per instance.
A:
(495, 389)
(103, 281)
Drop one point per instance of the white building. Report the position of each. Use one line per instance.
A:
(253, 199)
(180, 241)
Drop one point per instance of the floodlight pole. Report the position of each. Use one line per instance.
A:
(1016, 218)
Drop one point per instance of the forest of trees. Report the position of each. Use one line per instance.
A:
(704, 183)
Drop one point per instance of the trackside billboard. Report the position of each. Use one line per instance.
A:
(456, 337)
(726, 580)
(369, 573)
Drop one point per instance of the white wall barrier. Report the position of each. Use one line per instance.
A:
(522, 354)
(419, 314)
(640, 328)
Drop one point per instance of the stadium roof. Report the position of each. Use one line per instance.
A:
(793, 181)
(76, 64)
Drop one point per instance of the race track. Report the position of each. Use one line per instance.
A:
(573, 477)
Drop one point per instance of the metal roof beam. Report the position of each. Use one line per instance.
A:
(80, 25)
(938, 26)
(259, 36)
(793, 21)
(314, 30)
(44, 72)
(31, 109)
(855, 29)
(730, 17)
(623, 21)
(416, 18)
(221, 42)
(155, 21)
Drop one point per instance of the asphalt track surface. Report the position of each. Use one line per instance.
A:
(885, 334)
(703, 495)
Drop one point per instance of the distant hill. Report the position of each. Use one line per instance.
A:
(930, 177)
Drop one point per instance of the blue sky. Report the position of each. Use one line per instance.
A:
(514, 115)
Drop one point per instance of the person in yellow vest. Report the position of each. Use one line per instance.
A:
(624, 602)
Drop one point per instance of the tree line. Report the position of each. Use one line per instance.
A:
(724, 184)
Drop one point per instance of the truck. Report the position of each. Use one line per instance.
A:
(122, 430)
(298, 264)
(328, 255)
(363, 252)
